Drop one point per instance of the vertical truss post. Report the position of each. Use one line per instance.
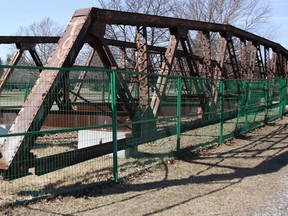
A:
(244, 72)
(143, 112)
(252, 60)
(142, 67)
(206, 68)
(165, 70)
(220, 57)
(273, 64)
(267, 72)
(123, 58)
(218, 71)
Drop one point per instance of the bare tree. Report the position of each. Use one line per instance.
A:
(46, 27)
(1, 69)
(155, 36)
(249, 15)
(152, 7)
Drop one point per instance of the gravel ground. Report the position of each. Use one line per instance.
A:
(245, 176)
(276, 204)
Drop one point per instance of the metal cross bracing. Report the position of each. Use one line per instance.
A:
(239, 54)
(22, 44)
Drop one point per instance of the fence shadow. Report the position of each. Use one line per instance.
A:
(272, 157)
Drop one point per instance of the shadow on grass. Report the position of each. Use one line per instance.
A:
(270, 163)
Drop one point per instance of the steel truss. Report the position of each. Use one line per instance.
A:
(240, 54)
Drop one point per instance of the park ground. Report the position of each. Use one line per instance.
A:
(244, 176)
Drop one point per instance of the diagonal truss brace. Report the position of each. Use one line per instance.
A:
(81, 77)
(97, 41)
(15, 59)
(16, 149)
(165, 70)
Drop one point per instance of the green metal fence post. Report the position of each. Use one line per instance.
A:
(266, 101)
(285, 95)
(27, 90)
(246, 96)
(103, 89)
(282, 96)
(179, 84)
(114, 124)
(221, 92)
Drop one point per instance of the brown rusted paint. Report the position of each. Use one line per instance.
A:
(39, 101)
(88, 25)
(142, 67)
(165, 70)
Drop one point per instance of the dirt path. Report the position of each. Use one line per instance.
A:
(246, 176)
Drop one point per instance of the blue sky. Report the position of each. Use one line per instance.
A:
(279, 20)
(15, 13)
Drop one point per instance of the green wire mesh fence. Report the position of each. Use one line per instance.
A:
(102, 125)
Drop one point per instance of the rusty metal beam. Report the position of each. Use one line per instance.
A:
(16, 150)
(8, 72)
(142, 67)
(266, 62)
(165, 70)
(260, 61)
(218, 70)
(123, 56)
(96, 40)
(273, 64)
(125, 18)
(244, 72)
(206, 67)
(233, 57)
(220, 57)
(252, 60)
(187, 49)
(88, 25)
(134, 19)
(15, 59)
(81, 77)
(35, 57)
(28, 39)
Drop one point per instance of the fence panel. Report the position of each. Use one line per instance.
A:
(151, 134)
(99, 125)
(274, 99)
(66, 154)
(200, 113)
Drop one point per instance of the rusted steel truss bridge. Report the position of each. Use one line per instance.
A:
(218, 51)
